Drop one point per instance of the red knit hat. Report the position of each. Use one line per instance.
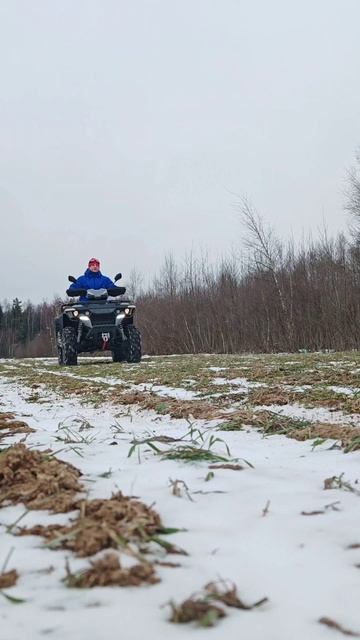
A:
(94, 261)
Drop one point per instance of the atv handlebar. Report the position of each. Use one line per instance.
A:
(116, 291)
(112, 291)
(74, 293)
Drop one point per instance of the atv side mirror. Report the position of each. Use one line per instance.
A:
(71, 279)
(118, 277)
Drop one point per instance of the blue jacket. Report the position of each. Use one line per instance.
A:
(92, 280)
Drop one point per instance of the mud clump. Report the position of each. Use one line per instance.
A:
(107, 571)
(38, 480)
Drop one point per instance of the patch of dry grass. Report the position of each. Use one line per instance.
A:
(10, 426)
(203, 609)
(107, 571)
(271, 423)
(102, 524)
(8, 579)
(271, 395)
(197, 409)
(199, 610)
(38, 480)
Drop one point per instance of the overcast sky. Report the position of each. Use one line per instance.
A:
(126, 125)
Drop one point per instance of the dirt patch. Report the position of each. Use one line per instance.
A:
(107, 571)
(10, 426)
(38, 480)
(102, 524)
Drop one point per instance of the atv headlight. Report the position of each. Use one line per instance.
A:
(72, 313)
(127, 311)
(119, 317)
(85, 320)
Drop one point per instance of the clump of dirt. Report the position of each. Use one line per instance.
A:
(10, 426)
(198, 610)
(8, 579)
(38, 480)
(107, 571)
(102, 524)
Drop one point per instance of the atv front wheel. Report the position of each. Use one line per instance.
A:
(60, 355)
(59, 348)
(68, 346)
(134, 344)
(118, 354)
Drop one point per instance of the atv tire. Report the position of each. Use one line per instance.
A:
(59, 348)
(134, 344)
(119, 354)
(68, 346)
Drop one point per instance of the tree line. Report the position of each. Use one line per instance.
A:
(278, 299)
(274, 297)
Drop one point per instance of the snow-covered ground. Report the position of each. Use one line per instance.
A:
(252, 527)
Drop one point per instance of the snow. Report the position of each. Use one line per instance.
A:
(301, 563)
(313, 414)
(349, 391)
(238, 382)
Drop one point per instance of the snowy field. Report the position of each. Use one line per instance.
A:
(252, 461)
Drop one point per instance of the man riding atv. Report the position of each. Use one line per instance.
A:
(92, 279)
(100, 319)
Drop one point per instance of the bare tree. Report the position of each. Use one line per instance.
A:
(267, 256)
(353, 198)
(134, 286)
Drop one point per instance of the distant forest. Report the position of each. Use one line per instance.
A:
(279, 299)
(274, 297)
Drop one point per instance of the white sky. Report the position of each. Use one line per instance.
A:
(127, 124)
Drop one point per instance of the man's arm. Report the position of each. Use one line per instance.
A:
(79, 284)
(109, 283)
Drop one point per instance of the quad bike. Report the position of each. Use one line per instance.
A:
(97, 323)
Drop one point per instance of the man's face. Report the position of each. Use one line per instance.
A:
(94, 267)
